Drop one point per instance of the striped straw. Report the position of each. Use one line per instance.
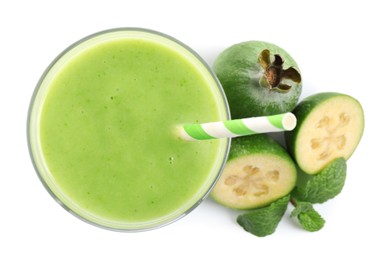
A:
(238, 127)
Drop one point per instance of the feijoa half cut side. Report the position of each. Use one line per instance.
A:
(258, 172)
(329, 125)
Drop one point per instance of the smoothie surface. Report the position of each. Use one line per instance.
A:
(107, 131)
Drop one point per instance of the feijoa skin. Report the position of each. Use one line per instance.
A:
(259, 78)
(258, 172)
(329, 125)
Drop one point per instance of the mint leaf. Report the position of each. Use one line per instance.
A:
(323, 186)
(311, 220)
(264, 221)
(307, 216)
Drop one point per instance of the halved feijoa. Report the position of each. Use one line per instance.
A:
(258, 172)
(329, 125)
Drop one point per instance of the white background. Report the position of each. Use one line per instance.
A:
(339, 46)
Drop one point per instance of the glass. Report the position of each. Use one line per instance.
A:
(40, 95)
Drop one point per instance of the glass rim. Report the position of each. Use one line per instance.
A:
(150, 225)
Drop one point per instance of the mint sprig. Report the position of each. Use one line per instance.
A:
(264, 221)
(310, 189)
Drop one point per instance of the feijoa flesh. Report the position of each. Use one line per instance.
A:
(258, 172)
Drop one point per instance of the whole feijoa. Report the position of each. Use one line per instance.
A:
(259, 78)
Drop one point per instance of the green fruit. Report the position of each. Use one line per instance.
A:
(329, 125)
(259, 78)
(258, 172)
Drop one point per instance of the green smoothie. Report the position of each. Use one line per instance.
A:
(102, 129)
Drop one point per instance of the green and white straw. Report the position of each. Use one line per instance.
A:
(238, 127)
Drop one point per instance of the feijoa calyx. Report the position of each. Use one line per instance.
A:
(329, 125)
(258, 78)
(258, 172)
